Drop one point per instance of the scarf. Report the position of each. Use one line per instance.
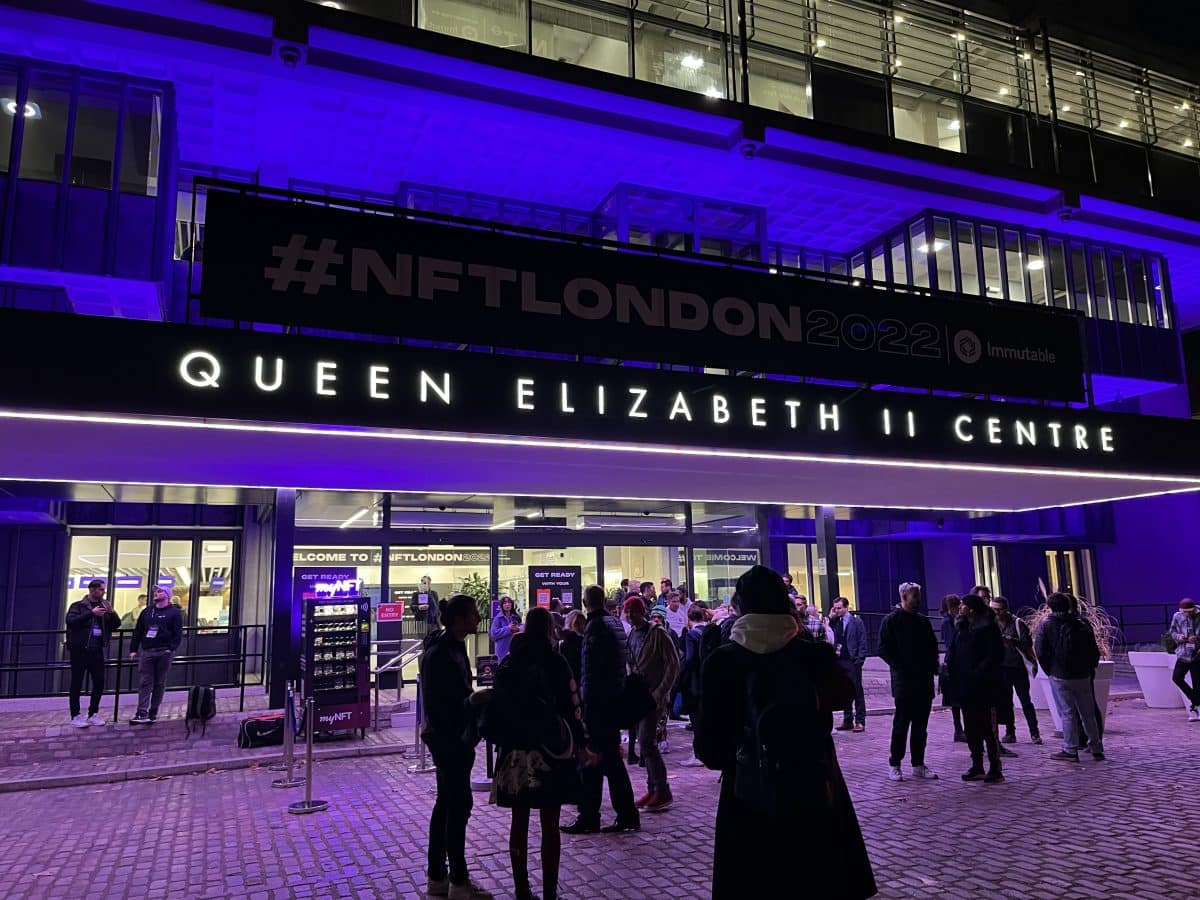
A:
(763, 633)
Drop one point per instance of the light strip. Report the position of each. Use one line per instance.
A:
(355, 517)
(552, 443)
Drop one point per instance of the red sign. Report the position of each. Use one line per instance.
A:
(543, 598)
(390, 612)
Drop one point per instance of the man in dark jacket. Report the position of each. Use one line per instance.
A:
(90, 621)
(850, 645)
(908, 645)
(1018, 650)
(445, 688)
(604, 655)
(973, 675)
(156, 637)
(1067, 651)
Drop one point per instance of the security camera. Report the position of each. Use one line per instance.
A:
(749, 149)
(291, 55)
(442, 508)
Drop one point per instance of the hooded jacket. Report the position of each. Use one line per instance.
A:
(973, 662)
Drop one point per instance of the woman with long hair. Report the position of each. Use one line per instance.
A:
(541, 770)
(505, 627)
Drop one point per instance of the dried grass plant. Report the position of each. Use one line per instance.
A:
(1104, 626)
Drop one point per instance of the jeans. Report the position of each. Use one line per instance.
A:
(1016, 679)
(1182, 669)
(981, 734)
(1074, 698)
(912, 714)
(607, 742)
(656, 769)
(451, 810)
(853, 671)
(152, 666)
(91, 662)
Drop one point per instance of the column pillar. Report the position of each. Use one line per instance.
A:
(285, 605)
(826, 578)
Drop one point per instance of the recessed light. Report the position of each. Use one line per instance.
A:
(32, 110)
(959, 36)
(1035, 265)
(1124, 123)
(713, 93)
(1183, 106)
(1026, 56)
(693, 62)
(820, 43)
(938, 246)
(1003, 92)
(897, 62)
(954, 125)
(1079, 73)
(1187, 142)
(899, 20)
(1066, 107)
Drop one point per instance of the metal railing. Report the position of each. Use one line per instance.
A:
(406, 651)
(47, 674)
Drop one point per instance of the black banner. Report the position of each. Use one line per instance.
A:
(300, 264)
(223, 374)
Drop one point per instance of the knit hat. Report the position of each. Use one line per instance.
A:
(1187, 603)
(635, 600)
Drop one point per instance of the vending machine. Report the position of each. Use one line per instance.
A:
(336, 659)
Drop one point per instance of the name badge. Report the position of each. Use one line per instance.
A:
(423, 600)
(96, 632)
(152, 631)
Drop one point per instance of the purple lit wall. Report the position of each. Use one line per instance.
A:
(1154, 559)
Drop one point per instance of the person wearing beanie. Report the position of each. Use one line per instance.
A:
(1185, 631)
(652, 655)
(783, 779)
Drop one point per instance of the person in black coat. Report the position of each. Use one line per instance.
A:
(975, 682)
(571, 644)
(755, 847)
(908, 645)
(90, 621)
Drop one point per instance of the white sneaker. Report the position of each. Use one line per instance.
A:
(664, 747)
(1194, 715)
(95, 720)
(691, 762)
(80, 721)
(894, 774)
(923, 772)
(468, 891)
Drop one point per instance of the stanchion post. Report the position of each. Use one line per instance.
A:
(308, 804)
(289, 746)
(422, 766)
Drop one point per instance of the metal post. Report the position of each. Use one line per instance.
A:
(288, 763)
(422, 765)
(308, 804)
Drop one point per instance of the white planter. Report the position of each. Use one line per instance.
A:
(1154, 672)
(1102, 687)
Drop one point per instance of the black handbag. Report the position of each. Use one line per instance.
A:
(635, 701)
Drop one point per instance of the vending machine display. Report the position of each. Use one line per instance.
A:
(335, 665)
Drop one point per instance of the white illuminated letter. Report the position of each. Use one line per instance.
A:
(442, 390)
(965, 436)
(635, 410)
(1106, 439)
(830, 416)
(680, 408)
(1026, 433)
(1055, 428)
(326, 374)
(204, 378)
(258, 374)
(378, 382)
(758, 409)
(524, 393)
(720, 410)
(912, 423)
(887, 421)
(1081, 437)
(793, 407)
(566, 403)
(993, 430)
(600, 399)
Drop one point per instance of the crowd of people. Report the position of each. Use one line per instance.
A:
(759, 680)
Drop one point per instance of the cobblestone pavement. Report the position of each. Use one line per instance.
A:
(1053, 830)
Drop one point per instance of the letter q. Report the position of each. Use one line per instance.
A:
(200, 376)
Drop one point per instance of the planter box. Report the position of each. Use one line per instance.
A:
(1102, 687)
(1154, 672)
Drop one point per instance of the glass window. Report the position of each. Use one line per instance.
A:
(1100, 279)
(858, 265)
(723, 518)
(1058, 274)
(175, 574)
(582, 37)
(1073, 88)
(1036, 266)
(1162, 315)
(989, 244)
(968, 266)
(88, 561)
(927, 118)
(95, 135)
(1014, 266)
(43, 146)
(1119, 106)
(450, 569)
(850, 34)
(717, 571)
(677, 59)
(141, 136)
(1079, 282)
(517, 563)
(798, 556)
(992, 67)
(899, 260)
(1175, 124)
(987, 570)
(943, 254)
(441, 511)
(919, 250)
(1141, 295)
(338, 509)
(847, 585)
(500, 23)
(928, 52)
(8, 114)
(215, 583)
(780, 84)
(130, 583)
(849, 99)
(640, 564)
(877, 270)
(1120, 287)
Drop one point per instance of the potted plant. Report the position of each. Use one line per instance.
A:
(1154, 666)
(1105, 631)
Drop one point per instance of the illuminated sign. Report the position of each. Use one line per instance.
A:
(272, 261)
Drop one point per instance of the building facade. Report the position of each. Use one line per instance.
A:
(525, 296)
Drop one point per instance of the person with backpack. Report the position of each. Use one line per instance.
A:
(1185, 633)
(448, 732)
(766, 713)
(156, 636)
(1018, 652)
(973, 674)
(1067, 651)
(652, 655)
(908, 645)
(538, 765)
(604, 655)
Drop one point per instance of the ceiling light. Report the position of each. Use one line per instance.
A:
(1026, 56)
(808, 90)
(1066, 107)
(1035, 265)
(1003, 92)
(1187, 142)
(693, 62)
(713, 93)
(355, 517)
(32, 110)
(331, 4)
(505, 524)
(959, 36)
(897, 62)
(1183, 106)
(1079, 73)
(938, 246)
(820, 43)
(216, 548)
(680, 516)
(855, 283)
(184, 575)
(1124, 123)
(954, 125)
(899, 20)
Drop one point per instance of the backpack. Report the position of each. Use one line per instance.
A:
(783, 763)
(261, 731)
(201, 706)
(516, 716)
